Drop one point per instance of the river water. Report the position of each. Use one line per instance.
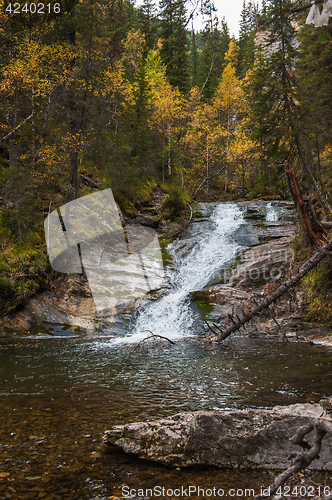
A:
(58, 395)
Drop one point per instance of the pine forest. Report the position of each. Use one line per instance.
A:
(98, 94)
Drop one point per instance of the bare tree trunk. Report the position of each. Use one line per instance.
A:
(207, 168)
(76, 123)
(206, 179)
(227, 148)
(319, 193)
(16, 128)
(312, 234)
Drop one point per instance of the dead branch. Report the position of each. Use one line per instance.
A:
(319, 228)
(206, 179)
(305, 7)
(304, 459)
(24, 276)
(280, 290)
(208, 75)
(16, 128)
(209, 327)
(326, 225)
(91, 181)
(153, 335)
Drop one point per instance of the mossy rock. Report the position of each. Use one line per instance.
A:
(201, 300)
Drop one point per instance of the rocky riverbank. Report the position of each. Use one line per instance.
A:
(68, 307)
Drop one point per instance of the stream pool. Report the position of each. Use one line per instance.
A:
(59, 395)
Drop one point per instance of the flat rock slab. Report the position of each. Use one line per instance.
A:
(262, 264)
(253, 438)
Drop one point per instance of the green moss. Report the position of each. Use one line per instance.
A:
(201, 300)
(21, 263)
(126, 205)
(317, 285)
(145, 442)
(301, 250)
(167, 259)
(144, 194)
(113, 439)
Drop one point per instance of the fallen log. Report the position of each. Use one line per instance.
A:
(307, 6)
(284, 287)
(326, 225)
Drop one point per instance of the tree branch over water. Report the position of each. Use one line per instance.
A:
(152, 336)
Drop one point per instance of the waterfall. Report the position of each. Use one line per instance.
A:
(271, 213)
(173, 315)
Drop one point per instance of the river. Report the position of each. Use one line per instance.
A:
(59, 394)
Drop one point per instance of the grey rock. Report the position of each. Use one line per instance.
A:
(225, 300)
(262, 264)
(148, 220)
(256, 438)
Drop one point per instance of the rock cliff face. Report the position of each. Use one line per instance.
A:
(253, 438)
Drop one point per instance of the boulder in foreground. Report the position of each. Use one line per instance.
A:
(256, 438)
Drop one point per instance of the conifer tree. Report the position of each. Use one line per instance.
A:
(173, 36)
(280, 122)
(148, 23)
(314, 70)
(212, 57)
(194, 59)
(272, 90)
(248, 26)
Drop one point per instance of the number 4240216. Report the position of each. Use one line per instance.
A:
(33, 8)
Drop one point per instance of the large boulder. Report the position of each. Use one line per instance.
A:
(255, 438)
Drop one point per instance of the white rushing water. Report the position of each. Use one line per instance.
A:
(172, 315)
(271, 213)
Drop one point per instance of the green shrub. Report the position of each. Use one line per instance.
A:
(143, 195)
(175, 202)
(125, 204)
(318, 287)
